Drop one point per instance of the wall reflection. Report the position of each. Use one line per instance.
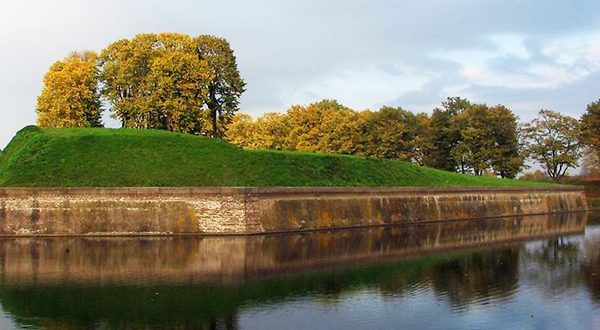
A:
(205, 282)
(227, 259)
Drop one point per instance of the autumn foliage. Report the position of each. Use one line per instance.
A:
(179, 83)
(460, 136)
(164, 81)
(70, 97)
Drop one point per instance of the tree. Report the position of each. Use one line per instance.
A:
(506, 157)
(422, 143)
(475, 145)
(178, 81)
(590, 127)
(443, 135)
(341, 131)
(309, 124)
(70, 96)
(172, 81)
(393, 133)
(226, 85)
(383, 133)
(553, 140)
(272, 130)
(471, 138)
(241, 132)
(125, 65)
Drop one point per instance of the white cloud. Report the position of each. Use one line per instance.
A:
(360, 87)
(568, 60)
(581, 51)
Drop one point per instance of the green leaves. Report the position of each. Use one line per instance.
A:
(468, 137)
(590, 123)
(553, 140)
(225, 86)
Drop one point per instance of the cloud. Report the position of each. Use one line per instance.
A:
(360, 87)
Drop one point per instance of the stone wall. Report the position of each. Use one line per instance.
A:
(181, 211)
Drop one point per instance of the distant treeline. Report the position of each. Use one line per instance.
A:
(458, 136)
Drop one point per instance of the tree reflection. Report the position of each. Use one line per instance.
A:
(590, 267)
(477, 277)
(162, 283)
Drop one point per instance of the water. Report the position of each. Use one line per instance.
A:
(540, 272)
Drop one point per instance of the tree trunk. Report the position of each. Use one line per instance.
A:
(213, 106)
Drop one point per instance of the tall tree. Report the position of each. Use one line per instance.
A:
(476, 143)
(178, 81)
(242, 131)
(172, 81)
(422, 142)
(226, 85)
(488, 138)
(392, 133)
(272, 130)
(341, 132)
(553, 140)
(590, 122)
(506, 156)
(70, 96)
(125, 66)
(443, 135)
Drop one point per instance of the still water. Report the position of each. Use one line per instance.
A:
(539, 272)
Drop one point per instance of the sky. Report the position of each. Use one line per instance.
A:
(525, 54)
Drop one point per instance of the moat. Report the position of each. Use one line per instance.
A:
(534, 272)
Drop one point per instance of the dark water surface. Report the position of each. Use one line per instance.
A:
(539, 272)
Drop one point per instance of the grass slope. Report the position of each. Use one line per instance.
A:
(84, 157)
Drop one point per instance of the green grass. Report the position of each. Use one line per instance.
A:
(86, 157)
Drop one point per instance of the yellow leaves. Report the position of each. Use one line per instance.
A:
(162, 81)
(70, 97)
(327, 126)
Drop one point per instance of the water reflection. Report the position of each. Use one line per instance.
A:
(238, 282)
(234, 259)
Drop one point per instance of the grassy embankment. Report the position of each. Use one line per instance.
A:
(128, 158)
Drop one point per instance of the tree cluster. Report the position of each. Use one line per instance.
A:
(162, 81)
(460, 136)
(189, 84)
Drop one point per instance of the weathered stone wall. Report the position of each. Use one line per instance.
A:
(171, 211)
(316, 208)
(121, 211)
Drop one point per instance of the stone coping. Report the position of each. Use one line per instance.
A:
(132, 191)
